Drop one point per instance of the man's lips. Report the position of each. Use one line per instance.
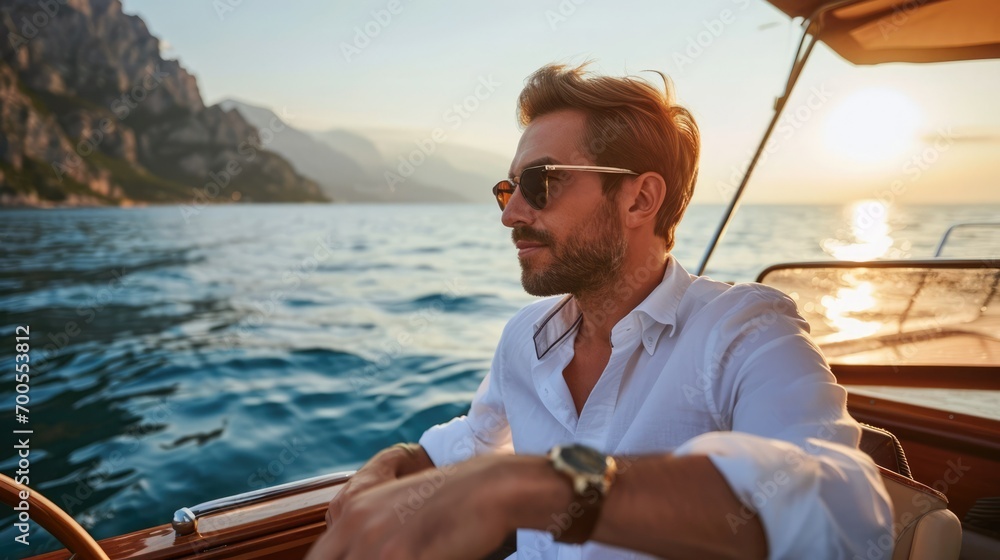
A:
(526, 247)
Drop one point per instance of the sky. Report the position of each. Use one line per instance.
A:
(913, 134)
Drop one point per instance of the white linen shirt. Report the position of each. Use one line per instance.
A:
(699, 367)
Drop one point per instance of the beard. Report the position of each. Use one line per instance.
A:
(589, 260)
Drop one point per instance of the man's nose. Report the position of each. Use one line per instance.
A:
(517, 212)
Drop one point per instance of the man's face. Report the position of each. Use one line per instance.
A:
(577, 243)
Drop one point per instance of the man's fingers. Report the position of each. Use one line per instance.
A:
(367, 545)
(361, 481)
(327, 547)
(336, 506)
(345, 536)
(395, 548)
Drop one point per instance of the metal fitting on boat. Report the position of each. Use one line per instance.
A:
(185, 521)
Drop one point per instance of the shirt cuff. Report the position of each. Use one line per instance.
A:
(449, 443)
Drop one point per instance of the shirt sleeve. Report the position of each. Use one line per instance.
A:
(792, 455)
(484, 430)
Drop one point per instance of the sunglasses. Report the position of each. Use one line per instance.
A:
(534, 183)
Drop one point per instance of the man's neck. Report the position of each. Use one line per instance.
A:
(603, 308)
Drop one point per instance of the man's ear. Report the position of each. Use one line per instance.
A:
(644, 195)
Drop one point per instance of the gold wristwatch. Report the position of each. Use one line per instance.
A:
(591, 474)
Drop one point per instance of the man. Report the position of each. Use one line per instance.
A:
(730, 434)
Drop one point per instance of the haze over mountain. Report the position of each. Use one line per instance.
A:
(464, 170)
(382, 165)
(348, 167)
(338, 175)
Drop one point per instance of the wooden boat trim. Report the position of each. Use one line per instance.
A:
(937, 427)
(281, 524)
(986, 378)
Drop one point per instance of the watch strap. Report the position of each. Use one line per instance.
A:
(580, 519)
(576, 524)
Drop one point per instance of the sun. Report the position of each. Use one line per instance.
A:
(873, 125)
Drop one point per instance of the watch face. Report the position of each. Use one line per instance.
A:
(584, 459)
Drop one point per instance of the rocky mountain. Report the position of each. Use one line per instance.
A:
(348, 166)
(90, 113)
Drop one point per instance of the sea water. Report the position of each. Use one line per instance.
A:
(179, 357)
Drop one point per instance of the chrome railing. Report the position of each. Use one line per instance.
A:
(185, 521)
(947, 234)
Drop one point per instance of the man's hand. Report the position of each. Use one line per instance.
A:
(388, 465)
(464, 511)
(458, 512)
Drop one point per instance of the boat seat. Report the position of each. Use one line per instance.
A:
(923, 526)
(883, 447)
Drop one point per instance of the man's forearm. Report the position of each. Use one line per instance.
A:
(677, 507)
(668, 506)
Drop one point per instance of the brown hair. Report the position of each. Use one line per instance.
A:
(629, 124)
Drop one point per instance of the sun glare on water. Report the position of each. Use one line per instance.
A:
(873, 125)
(869, 237)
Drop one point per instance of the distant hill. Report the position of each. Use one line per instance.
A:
(347, 166)
(338, 175)
(466, 171)
(357, 147)
(90, 113)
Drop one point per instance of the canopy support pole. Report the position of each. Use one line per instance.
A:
(808, 41)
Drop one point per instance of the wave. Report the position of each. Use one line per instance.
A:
(447, 303)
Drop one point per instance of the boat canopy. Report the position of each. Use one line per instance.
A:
(877, 31)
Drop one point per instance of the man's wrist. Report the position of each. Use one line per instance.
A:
(531, 493)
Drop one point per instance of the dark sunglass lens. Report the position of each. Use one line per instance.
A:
(534, 187)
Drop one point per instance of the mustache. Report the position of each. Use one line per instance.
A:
(526, 233)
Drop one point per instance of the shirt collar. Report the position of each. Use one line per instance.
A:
(657, 312)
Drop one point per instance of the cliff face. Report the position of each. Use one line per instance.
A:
(90, 113)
